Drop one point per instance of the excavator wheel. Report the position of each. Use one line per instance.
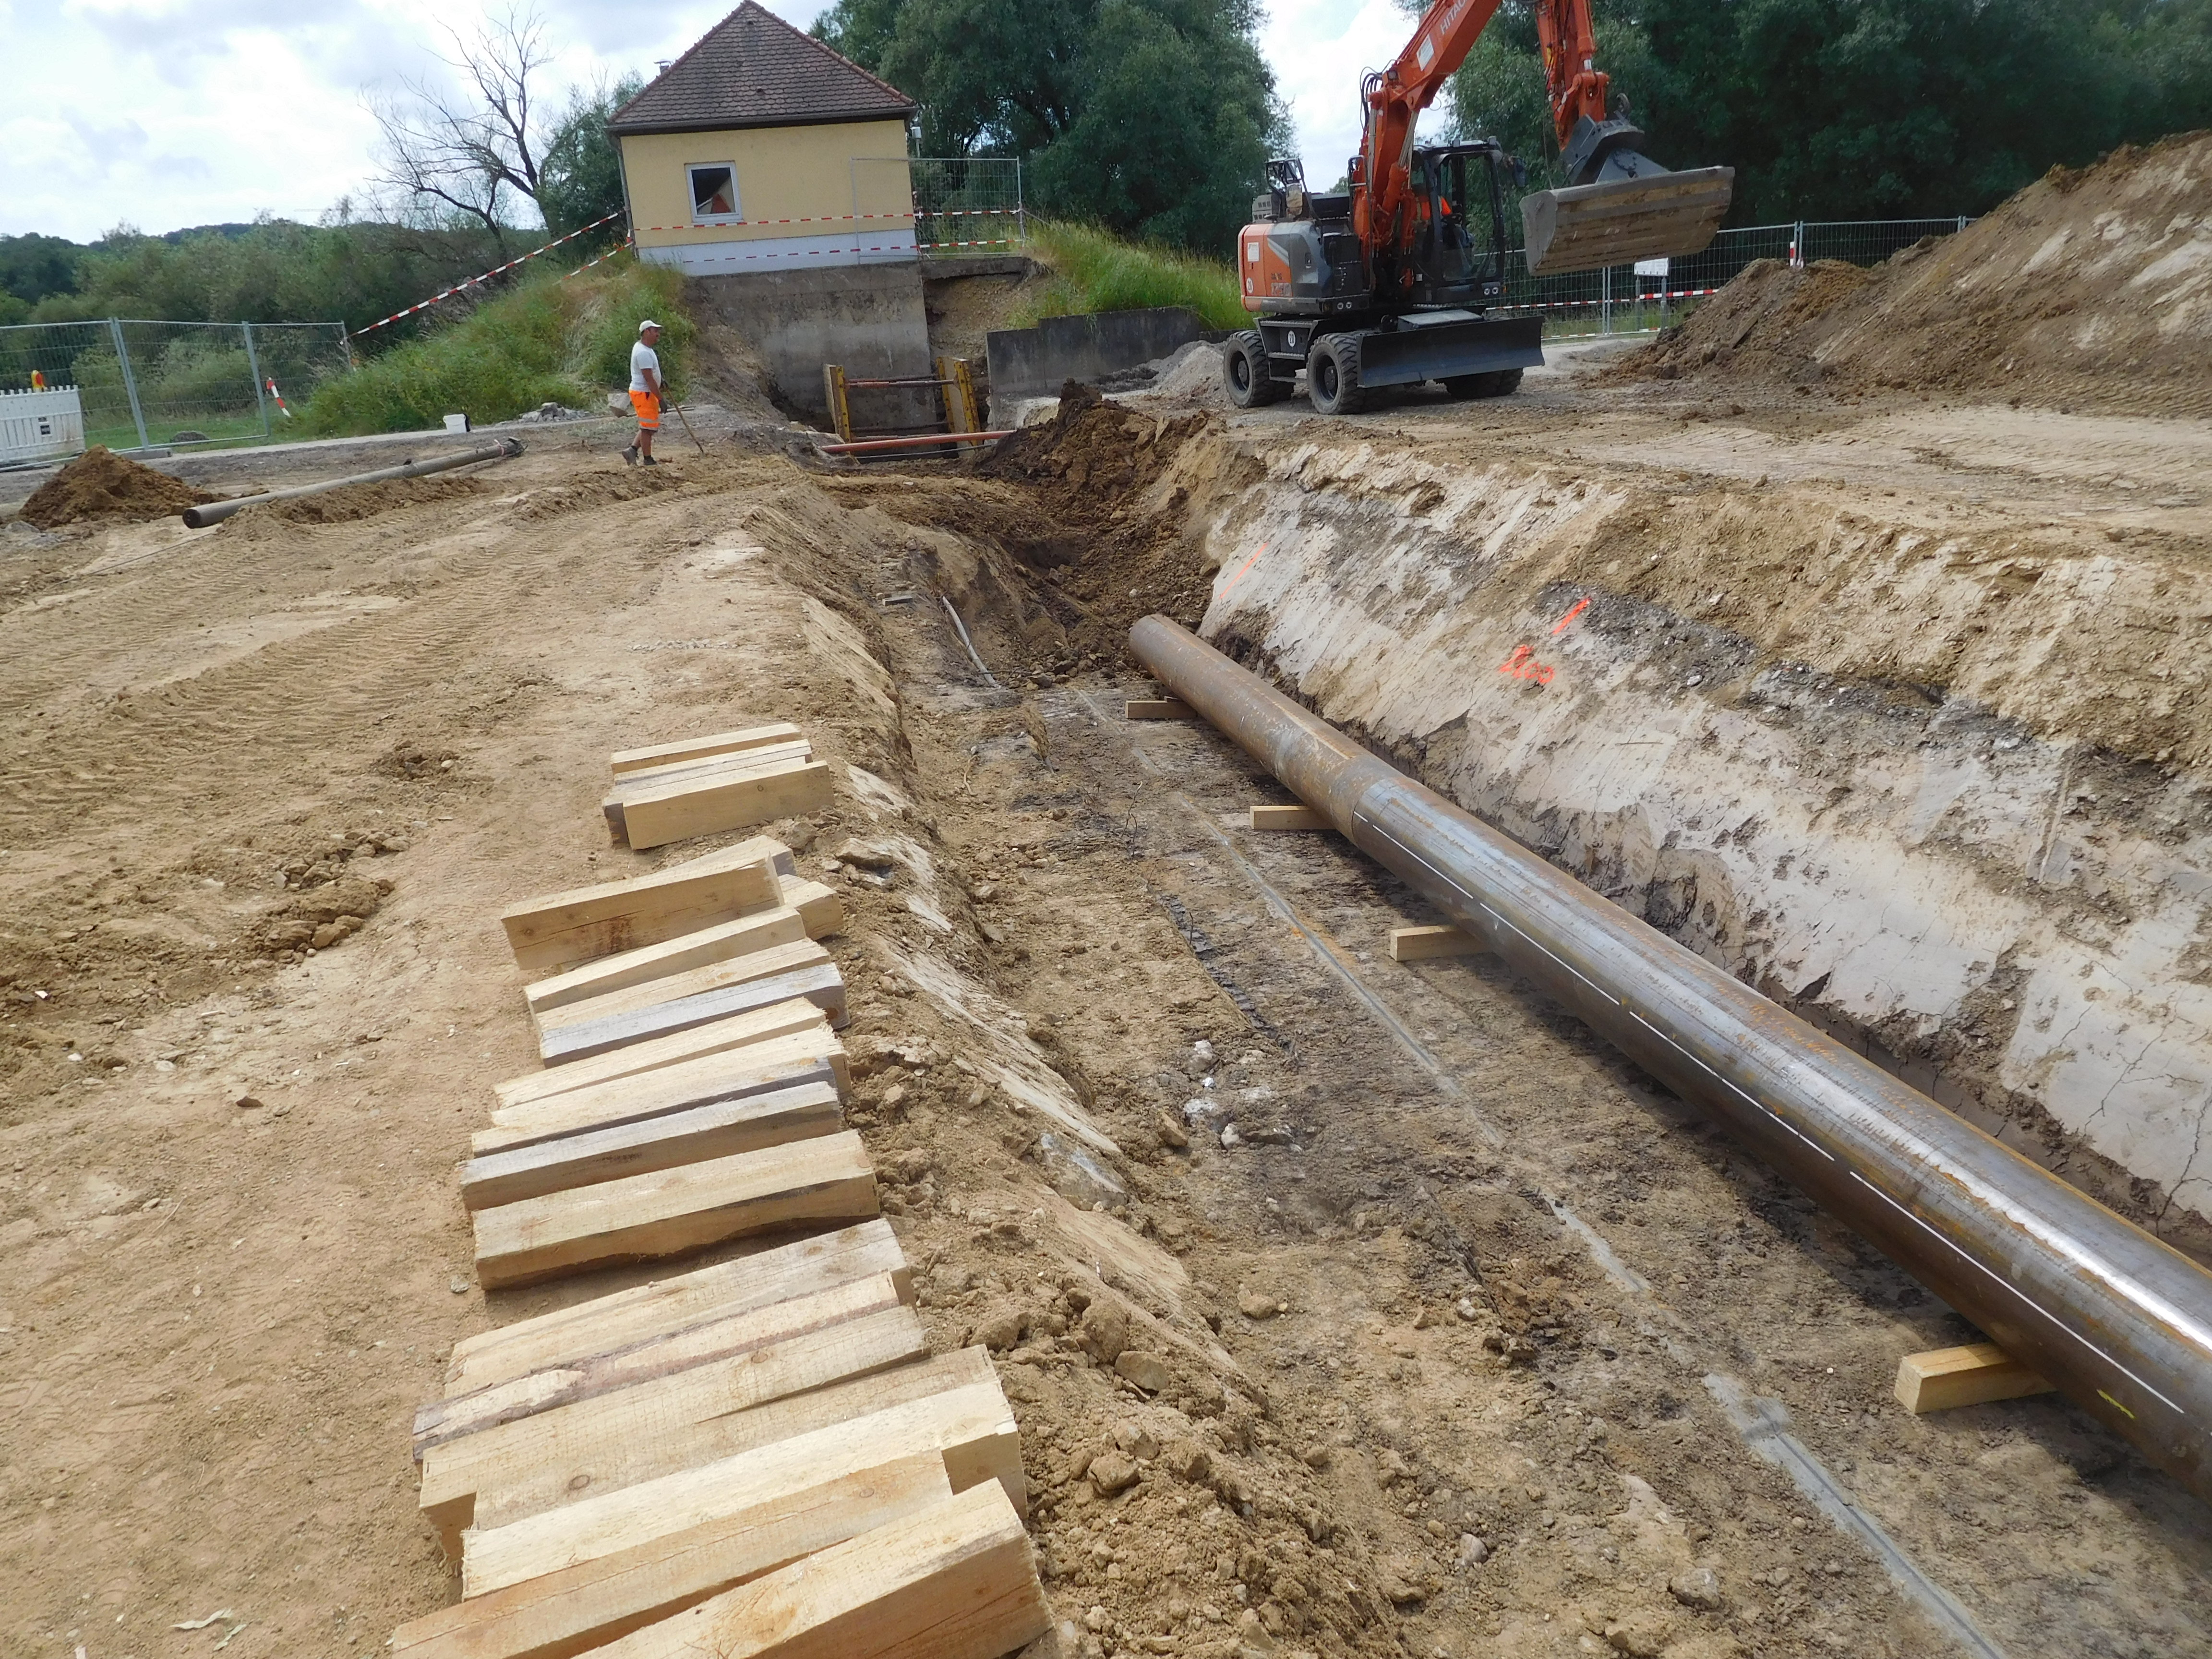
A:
(1244, 371)
(1333, 375)
(1496, 384)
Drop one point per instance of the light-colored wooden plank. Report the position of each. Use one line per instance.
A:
(589, 1604)
(821, 907)
(1975, 1374)
(1158, 709)
(761, 755)
(1420, 944)
(715, 743)
(637, 971)
(617, 1461)
(640, 1489)
(437, 1421)
(827, 1180)
(715, 770)
(1287, 818)
(954, 1582)
(761, 960)
(810, 1057)
(818, 981)
(461, 1475)
(782, 1273)
(721, 1129)
(559, 930)
(677, 811)
(787, 1018)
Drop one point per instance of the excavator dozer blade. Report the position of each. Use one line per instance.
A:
(1618, 220)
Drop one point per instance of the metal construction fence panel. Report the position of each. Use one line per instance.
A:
(141, 384)
(968, 204)
(1656, 293)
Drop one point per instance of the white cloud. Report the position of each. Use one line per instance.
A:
(1320, 49)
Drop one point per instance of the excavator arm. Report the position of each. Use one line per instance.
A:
(1618, 205)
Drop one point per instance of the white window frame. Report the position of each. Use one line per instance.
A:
(692, 191)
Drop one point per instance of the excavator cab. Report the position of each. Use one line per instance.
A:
(1458, 256)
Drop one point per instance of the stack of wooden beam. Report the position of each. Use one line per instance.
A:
(730, 780)
(760, 1457)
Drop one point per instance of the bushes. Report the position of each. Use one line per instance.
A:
(546, 341)
(1093, 270)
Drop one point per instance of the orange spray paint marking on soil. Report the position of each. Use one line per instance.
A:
(1581, 606)
(1241, 570)
(1523, 665)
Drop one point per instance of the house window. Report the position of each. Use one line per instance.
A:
(714, 194)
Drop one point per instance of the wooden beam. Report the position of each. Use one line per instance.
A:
(821, 907)
(811, 1057)
(586, 1606)
(437, 1421)
(828, 1179)
(1420, 944)
(639, 970)
(633, 1492)
(761, 964)
(678, 811)
(956, 1581)
(761, 755)
(715, 743)
(721, 1129)
(782, 1273)
(817, 982)
(1158, 709)
(560, 930)
(1941, 1378)
(612, 1461)
(790, 1018)
(1287, 818)
(459, 1475)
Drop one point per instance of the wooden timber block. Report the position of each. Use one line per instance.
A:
(1420, 944)
(610, 1461)
(716, 768)
(765, 1068)
(715, 743)
(680, 810)
(583, 1435)
(782, 1273)
(818, 982)
(1287, 818)
(639, 969)
(1972, 1376)
(577, 1609)
(760, 755)
(693, 1135)
(560, 930)
(956, 1581)
(638, 1487)
(437, 1421)
(791, 1016)
(1158, 709)
(827, 1179)
(820, 906)
(763, 964)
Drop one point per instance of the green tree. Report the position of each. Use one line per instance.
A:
(1153, 118)
(34, 266)
(580, 176)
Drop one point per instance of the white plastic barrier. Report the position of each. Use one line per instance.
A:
(36, 425)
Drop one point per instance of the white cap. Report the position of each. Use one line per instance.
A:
(647, 323)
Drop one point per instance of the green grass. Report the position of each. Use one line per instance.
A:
(1095, 271)
(546, 341)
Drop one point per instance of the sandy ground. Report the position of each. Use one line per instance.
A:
(1459, 1336)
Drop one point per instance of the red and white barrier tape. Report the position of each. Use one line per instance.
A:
(495, 270)
(848, 218)
(1618, 301)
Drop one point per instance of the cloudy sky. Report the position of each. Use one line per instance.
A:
(164, 113)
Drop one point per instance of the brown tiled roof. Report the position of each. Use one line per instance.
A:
(754, 70)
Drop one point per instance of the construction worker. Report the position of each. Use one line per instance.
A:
(645, 385)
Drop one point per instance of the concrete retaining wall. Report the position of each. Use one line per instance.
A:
(1034, 362)
(868, 318)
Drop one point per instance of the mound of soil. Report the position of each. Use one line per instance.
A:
(363, 501)
(2089, 289)
(101, 484)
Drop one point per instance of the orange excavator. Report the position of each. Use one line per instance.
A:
(1387, 283)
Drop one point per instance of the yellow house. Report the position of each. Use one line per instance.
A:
(762, 150)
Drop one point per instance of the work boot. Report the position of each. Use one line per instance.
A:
(649, 461)
(629, 456)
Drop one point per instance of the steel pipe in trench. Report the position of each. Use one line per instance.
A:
(2118, 1323)
(501, 449)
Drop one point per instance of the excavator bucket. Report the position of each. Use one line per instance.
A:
(1617, 220)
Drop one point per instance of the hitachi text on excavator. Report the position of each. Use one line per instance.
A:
(1391, 282)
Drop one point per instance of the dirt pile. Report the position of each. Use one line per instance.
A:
(2089, 289)
(101, 484)
(365, 501)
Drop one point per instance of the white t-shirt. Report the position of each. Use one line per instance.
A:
(641, 358)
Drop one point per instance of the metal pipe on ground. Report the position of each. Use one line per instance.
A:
(503, 449)
(2119, 1323)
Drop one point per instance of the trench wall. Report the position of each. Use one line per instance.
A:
(2014, 917)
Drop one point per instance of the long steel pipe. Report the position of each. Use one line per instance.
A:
(2119, 1323)
(499, 449)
